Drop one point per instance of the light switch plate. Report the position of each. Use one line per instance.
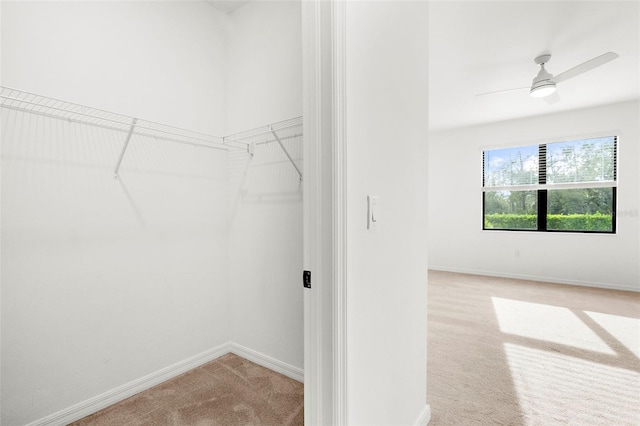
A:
(373, 211)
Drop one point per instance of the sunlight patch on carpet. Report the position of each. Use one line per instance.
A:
(548, 323)
(626, 330)
(557, 389)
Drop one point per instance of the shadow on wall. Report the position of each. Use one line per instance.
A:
(514, 352)
(67, 169)
(267, 176)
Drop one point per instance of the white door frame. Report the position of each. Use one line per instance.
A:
(325, 212)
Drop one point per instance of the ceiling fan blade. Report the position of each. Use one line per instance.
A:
(552, 98)
(503, 91)
(586, 66)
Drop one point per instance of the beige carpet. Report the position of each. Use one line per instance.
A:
(509, 352)
(228, 391)
(501, 352)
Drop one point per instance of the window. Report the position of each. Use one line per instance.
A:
(562, 186)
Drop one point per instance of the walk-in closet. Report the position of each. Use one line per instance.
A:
(151, 197)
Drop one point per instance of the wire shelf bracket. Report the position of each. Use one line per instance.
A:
(124, 147)
(290, 129)
(251, 149)
(275, 135)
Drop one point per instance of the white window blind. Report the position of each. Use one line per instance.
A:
(511, 167)
(586, 161)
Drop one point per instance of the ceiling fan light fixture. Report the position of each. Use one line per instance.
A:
(542, 89)
(542, 85)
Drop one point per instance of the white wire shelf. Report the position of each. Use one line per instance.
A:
(286, 129)
(33, 103)
(20, 100)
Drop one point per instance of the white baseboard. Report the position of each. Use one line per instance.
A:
(425, 416)
(551, 280)
(90, 406)
(266, 361)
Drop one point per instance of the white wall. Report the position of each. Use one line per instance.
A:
(265, 64)
(103, 280)
(387, 111)
(456, 239)
(265, 86)
(162, 62)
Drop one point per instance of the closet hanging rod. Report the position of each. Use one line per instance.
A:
(55, 108)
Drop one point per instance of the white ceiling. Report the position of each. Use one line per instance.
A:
(482, 46)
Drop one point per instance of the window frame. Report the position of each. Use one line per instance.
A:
(542, 189)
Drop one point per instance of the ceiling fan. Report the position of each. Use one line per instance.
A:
(544, 84)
